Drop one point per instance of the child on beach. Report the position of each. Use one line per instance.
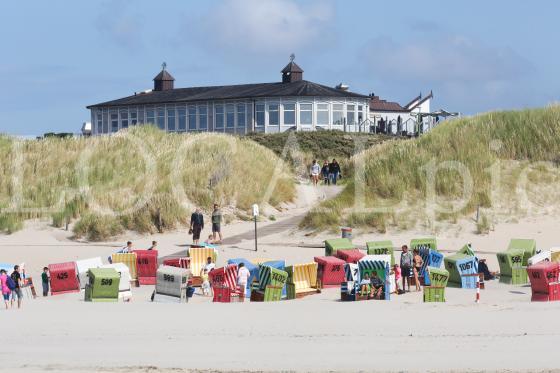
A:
(205, 282)
(4, 286)
(364, 285)
(45, 281)
(397, 272)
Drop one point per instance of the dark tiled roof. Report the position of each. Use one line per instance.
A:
(164, 75)
(376, 104)
(300, 88)
(292, 67)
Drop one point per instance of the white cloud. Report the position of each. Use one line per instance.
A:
(266, 26)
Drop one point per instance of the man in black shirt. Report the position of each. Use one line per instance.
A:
(197, 225)
(16, 278)
(334, 171)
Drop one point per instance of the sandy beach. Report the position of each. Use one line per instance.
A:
(504, 332)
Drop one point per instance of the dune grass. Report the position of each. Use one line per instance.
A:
(397, 171)
(142, 179)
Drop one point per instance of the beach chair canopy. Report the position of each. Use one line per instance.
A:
(529, 247)
(224, 276)
(428, 243)
(124, 274)
(128, 259)
(381, 248)
(271, 276)
(545, 255)
(199, 256)
(103, 283)
(172, 281)
(351, 271)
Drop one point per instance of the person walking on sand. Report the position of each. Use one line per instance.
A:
(217, 224)
(5, 288)
(16, 292)
(315, 169)
(334, 171)
(243, 275)
(45, 281)
(197, 225)
(325, 173)
(418, 262)
(406, 267)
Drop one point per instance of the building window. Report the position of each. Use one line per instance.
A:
(289, 114)
(220, 116)
(259, 111)
(99, 117)
(150, 116)
(105, 121)
(323, 114)
(350, 114)
(133, 117)
(360, 113)
(240, 115)
(171, 126)
(140, 115)
(230, 116)
(273, 116)
(124, 118)
(114, 121)
(161, 118)
(306, 113)
(182, 112)
(202, 118)
(338, 114)
(192, 118)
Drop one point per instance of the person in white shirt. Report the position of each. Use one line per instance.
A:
(127, 248)
(315, 170)
(209, 265)
(243, 275)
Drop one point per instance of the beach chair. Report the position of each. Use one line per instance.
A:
(128, 259)
(462, 268)
(425, 243)
(335, 244)
(350, 256)
(529, 247)
(182, 262)
(351, 272)
(198, 257)
(146, 266)
(435, 292)
(103, 285)
(280, 265)
(172, 284)
(544, 279)
(64, 278)
(368, 264)
(125, 280)
(302, 280)
(330, 271)
(381, 248)
(226, 277)
(545, 255)
(272, 280)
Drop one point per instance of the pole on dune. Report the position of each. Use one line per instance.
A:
(255, 215)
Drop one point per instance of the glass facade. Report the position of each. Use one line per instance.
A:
(239, 116)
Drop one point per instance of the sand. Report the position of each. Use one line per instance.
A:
(504, 332)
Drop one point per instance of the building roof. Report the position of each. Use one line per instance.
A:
(292, 67)
(164, 75)
(376, 104)
(301, 88)
(418, 100)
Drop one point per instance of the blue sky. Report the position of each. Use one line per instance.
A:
(57, 57)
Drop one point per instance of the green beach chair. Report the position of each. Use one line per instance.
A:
(332, 245)
(381, 248)
(510, 259)
(103, 285)
(529, 247)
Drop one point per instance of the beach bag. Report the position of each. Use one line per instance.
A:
(10, 283)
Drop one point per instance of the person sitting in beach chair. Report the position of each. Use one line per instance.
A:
(376, 285)
(365, 285)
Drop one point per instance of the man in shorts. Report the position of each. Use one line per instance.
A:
(216, 224)
(406, 266)
(17, 293)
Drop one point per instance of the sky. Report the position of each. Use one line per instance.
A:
(57, 57)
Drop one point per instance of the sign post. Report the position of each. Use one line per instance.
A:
(255, 215)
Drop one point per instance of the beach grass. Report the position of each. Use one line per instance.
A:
(395, 173)
(142, 179)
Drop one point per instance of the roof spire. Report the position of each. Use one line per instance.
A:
(163, 65)
(292, 57)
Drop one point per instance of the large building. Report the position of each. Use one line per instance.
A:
(291, 104)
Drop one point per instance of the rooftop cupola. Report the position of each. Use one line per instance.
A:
(292, 72)
(163, 81)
